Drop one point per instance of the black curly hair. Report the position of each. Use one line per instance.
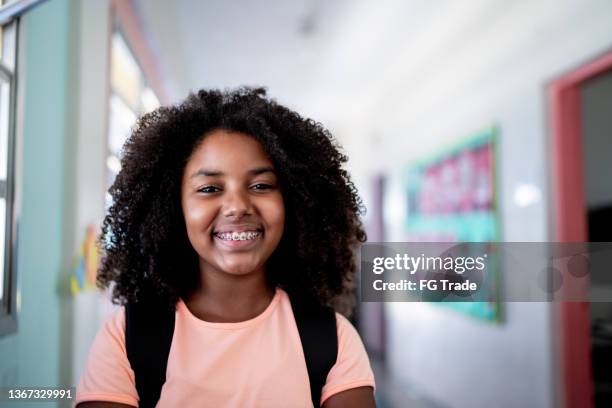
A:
(145, 248)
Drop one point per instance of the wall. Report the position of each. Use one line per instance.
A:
(62, 131)
(92, 129)
(36, 354)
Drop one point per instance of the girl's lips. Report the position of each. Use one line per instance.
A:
(221, 229)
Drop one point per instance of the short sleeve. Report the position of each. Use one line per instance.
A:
(352, 368)
(108, 376)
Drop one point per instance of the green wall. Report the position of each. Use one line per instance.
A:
(39, 353)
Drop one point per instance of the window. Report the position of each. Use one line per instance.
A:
(8, 46)
(130, 97)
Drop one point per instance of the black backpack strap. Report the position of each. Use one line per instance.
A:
(149, 328)
(319, 336)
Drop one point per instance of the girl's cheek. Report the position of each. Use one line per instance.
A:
(197, 218)
(280, 210)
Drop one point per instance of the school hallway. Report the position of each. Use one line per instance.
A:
(481, 121)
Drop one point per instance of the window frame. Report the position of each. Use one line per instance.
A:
(8, 304)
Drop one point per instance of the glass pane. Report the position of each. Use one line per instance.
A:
(9, 45)
(126, 79)
(2, 242)
(4, 126)
(121, 119)
(149, 101)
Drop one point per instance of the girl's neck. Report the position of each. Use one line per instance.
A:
(227, 298)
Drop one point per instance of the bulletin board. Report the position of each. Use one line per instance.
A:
(452, 197)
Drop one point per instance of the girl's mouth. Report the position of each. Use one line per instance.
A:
(238, 240)
(238, 236)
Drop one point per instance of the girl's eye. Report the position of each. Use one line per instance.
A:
(209, 189)
(261, 186)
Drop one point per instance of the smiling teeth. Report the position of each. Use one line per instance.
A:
(239, 236)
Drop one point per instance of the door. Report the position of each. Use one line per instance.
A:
(571, 222)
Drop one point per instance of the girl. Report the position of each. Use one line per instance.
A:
(230, 209)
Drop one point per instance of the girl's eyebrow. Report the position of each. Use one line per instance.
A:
(215, 173)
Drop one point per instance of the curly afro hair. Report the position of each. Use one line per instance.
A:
(144, 240)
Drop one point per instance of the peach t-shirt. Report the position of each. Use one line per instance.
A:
(254, 363)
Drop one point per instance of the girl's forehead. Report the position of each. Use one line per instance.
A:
(227, 148)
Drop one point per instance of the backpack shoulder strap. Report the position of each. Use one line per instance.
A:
(149, 328)
(318, 334)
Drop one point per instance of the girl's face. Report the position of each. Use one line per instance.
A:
(232, 203)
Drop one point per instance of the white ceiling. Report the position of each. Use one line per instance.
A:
(279, 44)
(367, 70)
(335, 60)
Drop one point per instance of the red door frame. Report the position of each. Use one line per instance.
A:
(571, 223)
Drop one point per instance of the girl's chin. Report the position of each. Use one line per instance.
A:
(240, 269)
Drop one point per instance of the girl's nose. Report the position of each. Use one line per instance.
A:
(237, 204)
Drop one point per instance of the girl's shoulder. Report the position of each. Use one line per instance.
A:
(352, 368)
(107, 375)
(113, 323)
(349, 340)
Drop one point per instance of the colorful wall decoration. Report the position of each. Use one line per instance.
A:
(452, 198)
(86, 264)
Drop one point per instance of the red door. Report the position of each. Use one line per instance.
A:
(571, 223)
